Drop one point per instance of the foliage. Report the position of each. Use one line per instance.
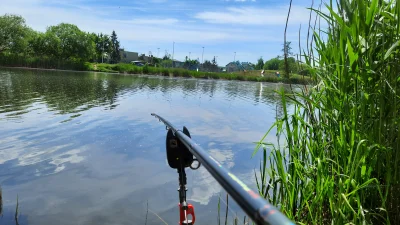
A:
(208, 66)
(287, 49)
(14, 33)
(70, 42)
(167, 63)
(60, 42)
(103, 46)
(115, 54)
(272, 64)
(141, 57)
(190, 64)
(337, 160)
(17, 60)
(260, 64)
(292, 64)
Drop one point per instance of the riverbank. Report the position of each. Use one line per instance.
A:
(269, 76)
(125, 68)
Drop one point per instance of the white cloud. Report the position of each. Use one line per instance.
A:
(167, 21)
(254, 16)
(141, 28)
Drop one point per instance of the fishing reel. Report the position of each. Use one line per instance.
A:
(178, 155)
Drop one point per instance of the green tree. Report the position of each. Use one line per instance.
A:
(293, 68)
(102, 45)
(272, 64)
(214, 61)
(260, 64)
(115, 54)
(73, 43)
(208, 66)
(190, 64)
(46, 44)
(141, 57)
(13, 34)
(287, 49)
(286, 53)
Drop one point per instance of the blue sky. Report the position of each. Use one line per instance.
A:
(251, 28)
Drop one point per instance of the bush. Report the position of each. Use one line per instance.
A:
(145, 69)
(176, 72)
(165, 72)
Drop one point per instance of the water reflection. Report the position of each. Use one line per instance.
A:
(82, 148)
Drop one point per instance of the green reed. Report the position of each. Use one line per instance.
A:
(337, 157)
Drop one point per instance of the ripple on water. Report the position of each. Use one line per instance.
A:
(84, 146)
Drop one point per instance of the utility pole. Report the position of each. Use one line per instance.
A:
(173, 51)
(102, 52)
(202, 61)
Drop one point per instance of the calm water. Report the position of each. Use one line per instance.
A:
(82, 148)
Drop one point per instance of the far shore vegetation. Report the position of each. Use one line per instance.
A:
(65, 46)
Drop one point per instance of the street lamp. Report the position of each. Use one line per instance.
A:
(173, 51)
(202, 61)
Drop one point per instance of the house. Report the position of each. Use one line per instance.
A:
(232, 67)
(237, 66)
(247, 66)
(178, 64)
(127, 57)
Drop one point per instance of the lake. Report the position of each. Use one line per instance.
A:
(82, 148)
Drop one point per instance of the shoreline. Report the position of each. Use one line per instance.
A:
(267, 79)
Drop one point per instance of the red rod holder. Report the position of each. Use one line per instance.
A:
(189, 211)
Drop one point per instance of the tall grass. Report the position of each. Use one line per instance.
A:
(337, 160)
(16, 60)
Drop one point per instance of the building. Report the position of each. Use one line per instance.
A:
(237, 66)
(127, 57)
(232, 67)
(247, 66)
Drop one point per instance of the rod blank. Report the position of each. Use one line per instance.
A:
(256, 207)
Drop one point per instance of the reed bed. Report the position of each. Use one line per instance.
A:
(336, 160)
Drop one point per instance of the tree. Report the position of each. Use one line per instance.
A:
(115, 54)
(166, 56)
(292, 66)
(260, 64)
(103, 45)
(13, 33)
(141, 57)
(272, 64)
(73, 43)
(208, 66)
(286, 53)
(46, 44)
(190, 64)
(214, 61)
(287, 49)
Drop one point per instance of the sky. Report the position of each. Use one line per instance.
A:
(251, 28)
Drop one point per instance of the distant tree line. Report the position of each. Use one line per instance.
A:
(278, 63)
(63, 42)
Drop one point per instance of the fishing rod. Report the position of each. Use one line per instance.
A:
(181, 151)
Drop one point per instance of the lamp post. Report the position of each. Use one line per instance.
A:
(202, 61)
(173, 51)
